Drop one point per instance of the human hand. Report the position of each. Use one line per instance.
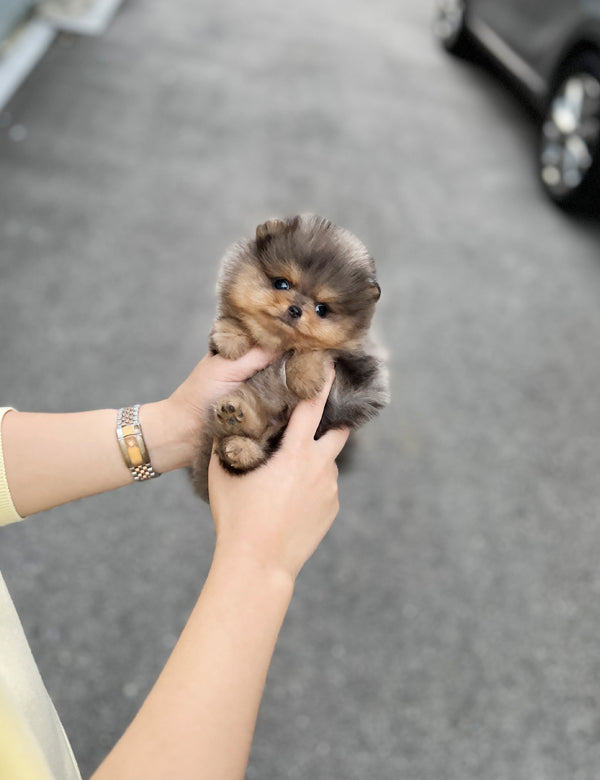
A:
(277, 515)
(172, 427)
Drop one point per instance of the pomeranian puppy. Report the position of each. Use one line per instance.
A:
(306, 290)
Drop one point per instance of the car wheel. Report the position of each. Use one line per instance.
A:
(449, 26)
(569, 154)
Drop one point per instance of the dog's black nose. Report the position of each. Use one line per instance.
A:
(295, 312)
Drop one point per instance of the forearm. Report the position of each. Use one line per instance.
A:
(199, 719)
(51, 459)
(54, 458)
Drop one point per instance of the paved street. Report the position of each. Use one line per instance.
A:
(449, 626)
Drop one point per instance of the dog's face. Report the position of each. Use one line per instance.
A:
(302, 284)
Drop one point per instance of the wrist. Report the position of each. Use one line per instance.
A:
(255, 570)
(168, 434)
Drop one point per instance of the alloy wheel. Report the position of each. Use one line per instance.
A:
(570, 134)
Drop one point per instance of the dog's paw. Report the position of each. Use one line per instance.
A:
(239, 413)
(305, 374)
(229, 413)
(241, 453)
(229, 340)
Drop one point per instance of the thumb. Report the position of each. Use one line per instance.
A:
(306, 417)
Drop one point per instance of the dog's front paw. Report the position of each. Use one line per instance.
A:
(229, 340)
(240, 453)
(305, 373)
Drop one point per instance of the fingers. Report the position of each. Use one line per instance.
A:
(253, 361)
(214, 464)
(307, 415)
(333, 442)
(305, 420)
(238, 370)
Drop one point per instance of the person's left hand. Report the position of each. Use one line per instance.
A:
(177, 421)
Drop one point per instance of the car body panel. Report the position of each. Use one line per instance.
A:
(533, 38)
(550, 49)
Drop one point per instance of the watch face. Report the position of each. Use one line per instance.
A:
(133, 447)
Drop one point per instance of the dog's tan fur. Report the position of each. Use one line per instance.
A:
(305, 290)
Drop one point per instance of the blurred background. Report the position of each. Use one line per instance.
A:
(449, 625)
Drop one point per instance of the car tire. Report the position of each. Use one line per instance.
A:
(569, 139)
(450, 27)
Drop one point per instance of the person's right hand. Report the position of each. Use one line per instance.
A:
(277, 515)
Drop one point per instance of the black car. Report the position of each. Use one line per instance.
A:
(551, 49)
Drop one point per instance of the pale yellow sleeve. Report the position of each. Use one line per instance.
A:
(33, 744)
(20, 753)
(8, 513)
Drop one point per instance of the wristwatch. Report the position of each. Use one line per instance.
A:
(132, 444)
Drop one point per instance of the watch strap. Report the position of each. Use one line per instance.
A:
(132, 444)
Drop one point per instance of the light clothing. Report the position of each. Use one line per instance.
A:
(8, 513)
(33, 744)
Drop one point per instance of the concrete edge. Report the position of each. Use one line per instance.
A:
(28, 44)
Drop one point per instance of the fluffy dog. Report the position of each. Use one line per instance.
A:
(306, 290)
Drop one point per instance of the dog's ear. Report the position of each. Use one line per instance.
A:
(268, 229)
(375, 290)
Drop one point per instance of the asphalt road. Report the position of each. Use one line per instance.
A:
(449, 626)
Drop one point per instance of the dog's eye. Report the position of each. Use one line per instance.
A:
(322, 309)
(281, 284)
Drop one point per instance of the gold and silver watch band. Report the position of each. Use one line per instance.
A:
(132, 444)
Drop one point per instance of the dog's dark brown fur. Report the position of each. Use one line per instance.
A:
(306, 290)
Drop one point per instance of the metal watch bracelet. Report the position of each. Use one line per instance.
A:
(132, 444)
